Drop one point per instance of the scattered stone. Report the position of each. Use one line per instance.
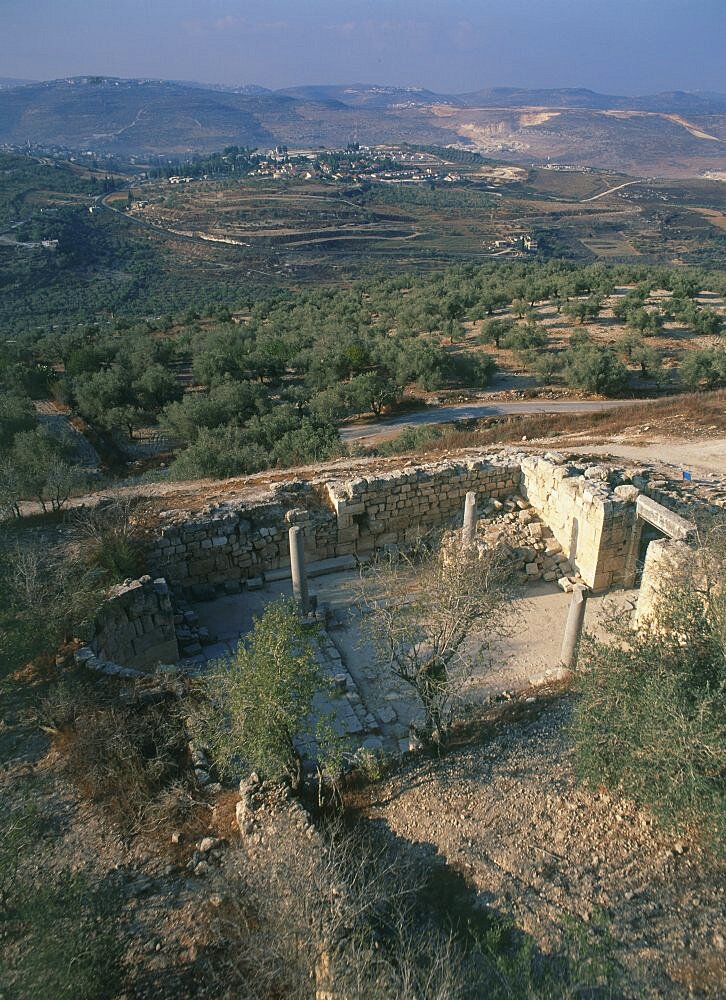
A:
(598, 472)
(625, 492)
(208, 844)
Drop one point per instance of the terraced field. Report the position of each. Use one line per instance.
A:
(584, 215)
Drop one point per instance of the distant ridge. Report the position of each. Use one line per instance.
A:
(366, 95)
(373, 95)
(9, 81)
(675, 133)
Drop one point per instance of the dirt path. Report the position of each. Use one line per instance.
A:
(706, 457)
(602, 194)
(703, 456)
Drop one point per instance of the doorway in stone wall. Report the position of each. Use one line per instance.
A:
(648, 533)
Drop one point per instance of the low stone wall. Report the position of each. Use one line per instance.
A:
(673, 563)
(593, 523)
(238, 541)
(135, 626)
(595, 514)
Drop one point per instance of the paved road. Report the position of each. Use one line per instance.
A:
(465, 411)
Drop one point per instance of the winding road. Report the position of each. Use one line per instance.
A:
(467, 411)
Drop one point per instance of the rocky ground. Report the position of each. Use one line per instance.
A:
(502, 811)
(507, 812)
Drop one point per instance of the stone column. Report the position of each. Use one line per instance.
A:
(573, 628)
(297, 568)
(468, 533)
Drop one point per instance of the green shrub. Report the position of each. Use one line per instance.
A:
(280, 438)
(522, 338)
(110, 539)
(704, 369)
(649, 720)
(259, 702)
(544, 365)
(596, 369)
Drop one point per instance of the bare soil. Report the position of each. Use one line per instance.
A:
(505, 810)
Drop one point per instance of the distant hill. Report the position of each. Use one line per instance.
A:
(674, 101)
(373, 96)
(155, 116)
(362, 95)
(673, 133)
(9, 81)
(141, 116)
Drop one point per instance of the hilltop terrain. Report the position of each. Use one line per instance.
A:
(672, 134)
(86, 236)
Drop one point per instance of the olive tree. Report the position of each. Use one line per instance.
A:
(38, 466)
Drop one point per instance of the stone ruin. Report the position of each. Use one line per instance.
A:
(560, 521)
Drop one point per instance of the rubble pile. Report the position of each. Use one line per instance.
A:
(512, 526)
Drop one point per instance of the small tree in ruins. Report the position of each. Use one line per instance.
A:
(434, 617)
(258, 709)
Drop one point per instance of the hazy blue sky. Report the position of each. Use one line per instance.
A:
(617, 46)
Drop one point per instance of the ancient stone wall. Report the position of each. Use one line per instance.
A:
(593, 523)
(593, 513)
(666, 560)
(397, 508)
(240, 542)
(135, 626)
(678, 562)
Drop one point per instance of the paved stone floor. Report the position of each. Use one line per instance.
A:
(374, 707)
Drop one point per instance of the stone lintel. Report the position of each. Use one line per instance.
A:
(663, 519)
